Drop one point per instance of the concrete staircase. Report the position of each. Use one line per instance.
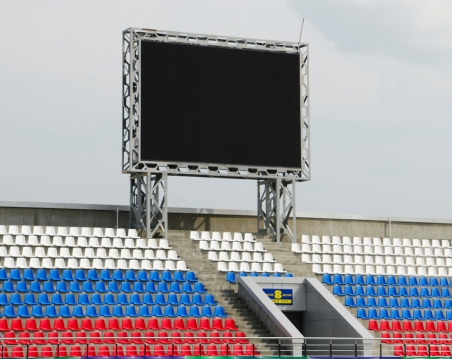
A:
(225, 293)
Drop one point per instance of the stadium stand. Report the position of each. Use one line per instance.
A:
(105, 292)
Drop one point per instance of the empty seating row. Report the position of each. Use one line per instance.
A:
(89, 253)
(376, 242)
(419, 338)
(426, 303)
(391, 291)
(386, 280)
(115, 324)
(410, 326)
(236, 246)
(382, 270)
(371, 251)
(408, 314)
(255, 267)
(236, 257)
(216, 236)
(65, 231)
(94, 275)
(422, 351)
(92, 242)
(167, 298)
(95, 263)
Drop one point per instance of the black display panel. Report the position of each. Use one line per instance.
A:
(215, 105)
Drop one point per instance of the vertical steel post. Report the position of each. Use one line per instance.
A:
(277, 185)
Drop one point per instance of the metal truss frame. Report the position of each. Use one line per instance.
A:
(131, 162)
(275, 207)
(148, 203)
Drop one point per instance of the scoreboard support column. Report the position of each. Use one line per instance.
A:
(275, 207)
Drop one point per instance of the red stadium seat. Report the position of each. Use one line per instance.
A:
(419, 326)
(72, 324)
(186, 351)
(225, 350)
(386, 338)
(80, 338)
(46, 351)
(147, 350)
(126, 324)
(409, 338)
(92, 351)
(396, 326)
(204, 324)
(53, 338)
(87, 324)
(198, 350)
(58, 324)
(4, 327)
(240, 337)
(167, 324)
(136, 338)
(444, 339)
(230, 324)
(67, 338)
(118, 351)
(407, 326)
(140, 324)
(153, 324)
(61, 351)
(131, 351)
(432, 338)
(104, 351)
(24, 338)
(159, 351)
(430, 326)
(123, 338)
(179, 324)
(442, 327)
(189, 338)
(44, 324)
(16, 325)
(385, 325)
(76, 351)
(176, 338)
(250, 350)
(449, 326)
(172, 350)
(397, 338)
(99, 324)
(212, 350)
(445, 351)
(434, 351)
(373, 325)
(33, 351)
(422, 351)
(217, 324)
(216, 338)
(109, 338)
(202, 338)
(410, 351)
(10, 338)
(94, 338)
(113, 324)
(420, 338)
(38, 338)
(163, 338)
(228, 337)
(30, 324)
(150, 338)
(192, 324)
(237, 350)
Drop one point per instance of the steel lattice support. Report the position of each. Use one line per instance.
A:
(148, 203)
(275, 206)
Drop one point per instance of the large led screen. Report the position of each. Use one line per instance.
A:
(219, 105)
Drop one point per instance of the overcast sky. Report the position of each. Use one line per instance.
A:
(381, 100)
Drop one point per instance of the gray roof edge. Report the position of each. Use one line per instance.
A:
(226, 212)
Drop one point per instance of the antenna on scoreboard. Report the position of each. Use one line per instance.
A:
(301, 31)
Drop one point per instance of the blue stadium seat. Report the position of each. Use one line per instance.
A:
(414, 292)
(393, 292)
(348, 279)
(169, 311)
(445, 292)
(417, 314)
(191, 277)
(406, 314)
(413, 281)
(69, 299)
(337, 290)
(428, 315)
(370, 280)
(80, 275)
(43, 299)
(122, 299)
(83, 300)
(4, 299)
(30, 299)
(403, 281)
(150, 287)
(23, 312)
(35, 287)
(439, 315)
(361, 302)
(22, 287)
(423, 282)
(77, 311)
(448, 314)
(160, 299)
(130, 276)
(36, 311)
(113, 287)
(426, 303)
(405, 303)
(157, 311)
(92, 275)
(382, 314)
(187, 288)
(3, 275)
(230, 277)
(117, 311)
(381, 291)
(41, 274)
(179, 276)
(173, 299)
(62, 287)
(436, 292)
(182, 311)
(110, 299)
(394, 303)
(131, 312)
(144, 311)
(197, 299)
(51, 312)
(359, 290)
(126, 288)
(362, 313)
(206, 311)
(434, 282)
(185, 299)
(395, 314)
(263, 274)
(209, 299)
(448, 304)
(100, 287)
(105, 275)
(29, 275)
(14, 274)
(425, 292)
(74, 287)
(96, 299)
(337, 279)
(163, 287)
(370, 291)
(219, 312)
(175, 287)
(326, 279)
(382, 302)
(148, 299)
(166, 276)
(392, 280)
(155, 276)
(371, 302)
(57, 299)
(142, 276)
(9, 312)
(359, 279)
(444, 282)
(194, 311)
(67, 275)
(54, 275)
(138, 287)
(135, 299)
(118, 276)
(48, 287)
(350, 302)
(15, 299)
(348, 290)
(104, 311)
(381, 280)
(8, 287)
(87, 287)
(403, 292)
(199, 288)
